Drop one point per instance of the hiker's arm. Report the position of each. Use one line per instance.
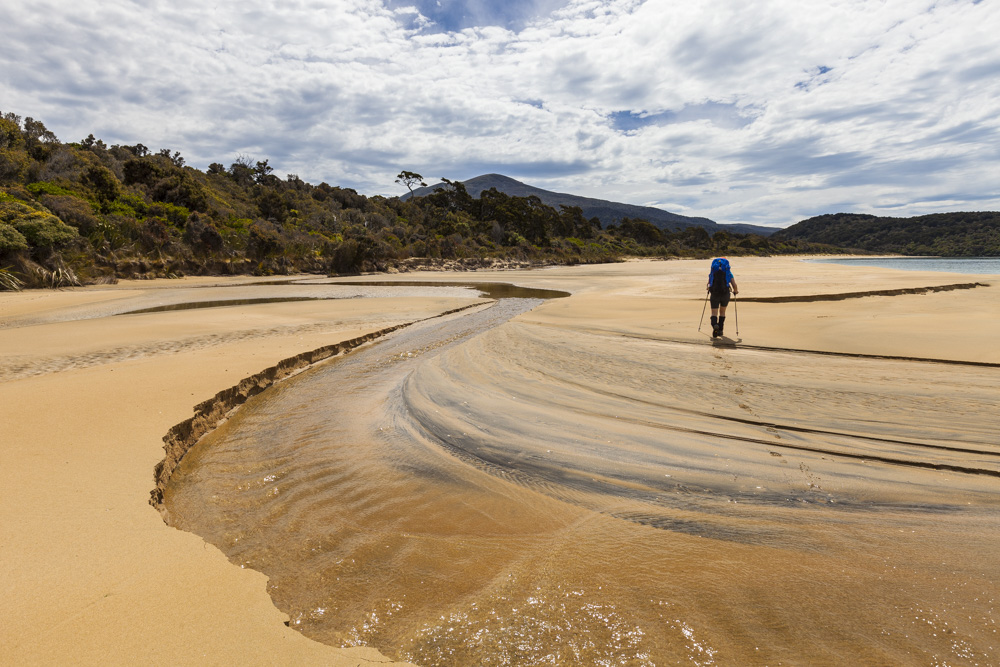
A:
(736, 290)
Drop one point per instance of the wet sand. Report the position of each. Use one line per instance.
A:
(96, 576)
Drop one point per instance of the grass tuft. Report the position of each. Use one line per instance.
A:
(9, 282)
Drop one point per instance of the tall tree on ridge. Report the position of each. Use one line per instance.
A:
(409, 179)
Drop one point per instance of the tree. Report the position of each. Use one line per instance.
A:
(571, 222)
(36, 130)
(261, 171)
(13, 157)
(695, 237)
(452, 197)
(93, 142)
(10, 132)
(175, 158)
(272, 206)
(241, 172)
(721, 240)
(103, 182)
(410, 179)
(642, 231)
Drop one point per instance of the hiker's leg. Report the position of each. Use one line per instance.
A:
(715, 316)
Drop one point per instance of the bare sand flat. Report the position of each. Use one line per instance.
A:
(94, 575)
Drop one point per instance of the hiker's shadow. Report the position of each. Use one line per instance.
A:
(725, 341)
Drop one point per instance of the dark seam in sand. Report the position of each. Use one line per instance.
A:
(816, 450)
(775, 425)
(859, 295)
(739, 345)
(855, 355)
(211, 413)
(226, 303)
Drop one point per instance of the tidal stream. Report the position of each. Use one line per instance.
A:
(477, 490)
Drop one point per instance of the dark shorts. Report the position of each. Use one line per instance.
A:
(718, 300)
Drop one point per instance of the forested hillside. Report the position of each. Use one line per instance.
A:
(943, 234)
(74, 213)
(608, 212)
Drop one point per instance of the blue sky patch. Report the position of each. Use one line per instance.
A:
(457, 15)
(814, 75)
(724, 115)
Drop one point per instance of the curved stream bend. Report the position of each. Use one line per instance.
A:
(478, 490)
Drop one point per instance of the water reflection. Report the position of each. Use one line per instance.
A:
(489, 290)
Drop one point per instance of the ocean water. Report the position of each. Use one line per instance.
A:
(969, 265)
(478, 490)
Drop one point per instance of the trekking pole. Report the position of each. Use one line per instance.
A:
(703, 312)
(736, 312)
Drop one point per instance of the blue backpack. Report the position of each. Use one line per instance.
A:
(721, 272)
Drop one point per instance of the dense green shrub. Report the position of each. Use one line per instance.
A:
(264, 239)
(73, 211)
(201, 234)
(41, 188)
(39, 228)
(154, 233)
(11, 239)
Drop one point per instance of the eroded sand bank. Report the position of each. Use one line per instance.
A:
(95, 576)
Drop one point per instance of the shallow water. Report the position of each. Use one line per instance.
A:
(489, 290)
(968, 265)
(477, 490)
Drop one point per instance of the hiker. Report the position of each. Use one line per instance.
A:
(720, 278)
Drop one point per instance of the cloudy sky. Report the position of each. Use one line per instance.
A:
(763, 112)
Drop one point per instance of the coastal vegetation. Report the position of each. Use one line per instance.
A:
(940, 234)
(85, 212)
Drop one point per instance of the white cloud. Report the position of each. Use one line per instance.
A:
(761, 112)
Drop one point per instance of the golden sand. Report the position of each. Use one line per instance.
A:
(92, 573)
